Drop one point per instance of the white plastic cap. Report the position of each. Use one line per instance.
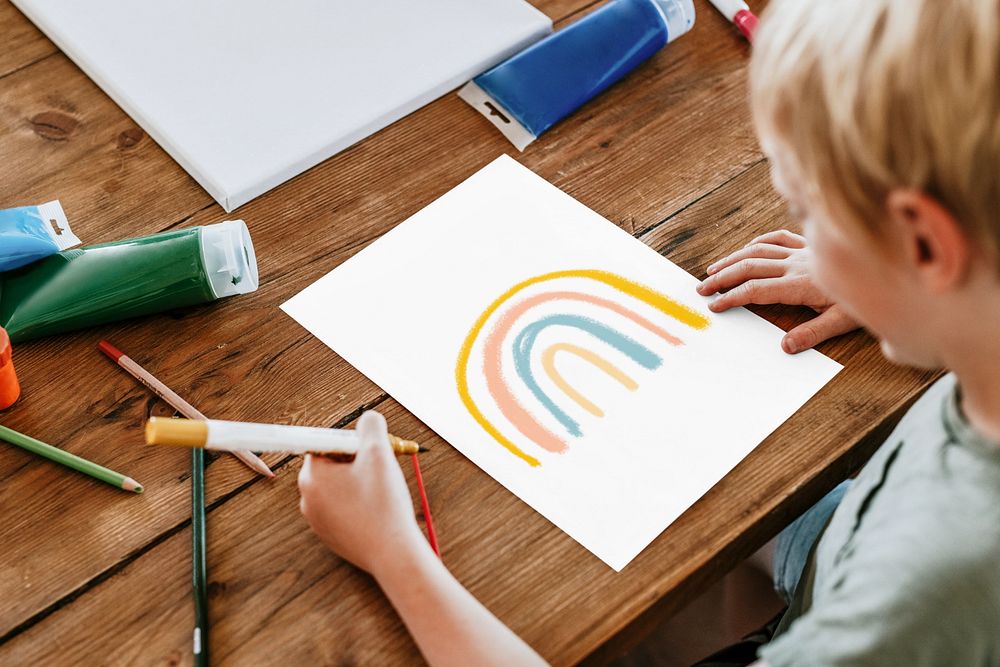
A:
(730, 8)
(228, 256)
(679, 15)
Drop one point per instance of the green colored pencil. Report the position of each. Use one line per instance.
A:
(199, 570)
(70, 460)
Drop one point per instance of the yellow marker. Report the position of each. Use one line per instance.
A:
(245, 436)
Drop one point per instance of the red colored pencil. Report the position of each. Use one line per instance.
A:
(431, 535)
(176, 402)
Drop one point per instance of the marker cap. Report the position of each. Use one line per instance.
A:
(178, 432)
(730, 8)
(747, 23)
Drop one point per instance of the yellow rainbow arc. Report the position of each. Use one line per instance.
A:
(631, 288)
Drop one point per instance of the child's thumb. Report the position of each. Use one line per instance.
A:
(832, 322)
(374, 435)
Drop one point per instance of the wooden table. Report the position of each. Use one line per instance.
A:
(92, 575)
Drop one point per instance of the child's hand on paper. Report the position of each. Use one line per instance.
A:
(774, 268)
(361, 510)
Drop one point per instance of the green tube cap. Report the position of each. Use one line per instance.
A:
(229, 259)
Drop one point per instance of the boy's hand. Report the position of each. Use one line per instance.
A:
(361, 510)
(773, 268)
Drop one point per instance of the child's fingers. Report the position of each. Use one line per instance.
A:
(761, 291)
(374, 435)
(832, 322)
(754, 251)
(740, 272)
(781, 237)
(308, 483)
(306, 477)
(316, 472)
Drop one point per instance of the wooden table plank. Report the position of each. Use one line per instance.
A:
(301, 573)
(23, 43)
(333, 209)
(291, 588)
(63, 138)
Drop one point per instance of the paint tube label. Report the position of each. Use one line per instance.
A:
(31, 233)
(57, 226)
(532, 91)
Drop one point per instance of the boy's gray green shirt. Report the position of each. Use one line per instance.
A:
(908, 569)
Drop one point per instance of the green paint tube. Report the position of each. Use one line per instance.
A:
(75, 289)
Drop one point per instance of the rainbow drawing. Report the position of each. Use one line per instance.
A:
(510, 332)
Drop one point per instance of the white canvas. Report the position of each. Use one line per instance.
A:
(245, 94)
(658, 421)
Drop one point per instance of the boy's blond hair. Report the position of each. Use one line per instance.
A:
(872, 95)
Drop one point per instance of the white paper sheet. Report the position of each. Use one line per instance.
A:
(245, 94)
(514, 321)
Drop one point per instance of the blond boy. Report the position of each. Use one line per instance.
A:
(881, 119)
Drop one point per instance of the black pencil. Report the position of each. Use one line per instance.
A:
(199, 570)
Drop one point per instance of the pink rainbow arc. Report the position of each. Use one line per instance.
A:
(497, 385)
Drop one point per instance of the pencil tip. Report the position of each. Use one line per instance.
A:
(253, 462)
(131, 485)
(422, 450)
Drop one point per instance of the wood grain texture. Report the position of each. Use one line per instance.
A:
(23, 43)
(668, 154)
(63, 138)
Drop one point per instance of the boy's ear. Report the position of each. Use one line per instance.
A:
(936, 246)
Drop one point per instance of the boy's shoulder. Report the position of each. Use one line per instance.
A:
(906, 569)
(935, 482)
(934, 434)
(924, 513)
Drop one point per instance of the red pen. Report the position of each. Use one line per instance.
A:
(739, 13)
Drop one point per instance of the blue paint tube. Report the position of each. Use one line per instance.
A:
(535, 89)
(31, 233)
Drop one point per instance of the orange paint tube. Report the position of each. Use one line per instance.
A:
(10, 390)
